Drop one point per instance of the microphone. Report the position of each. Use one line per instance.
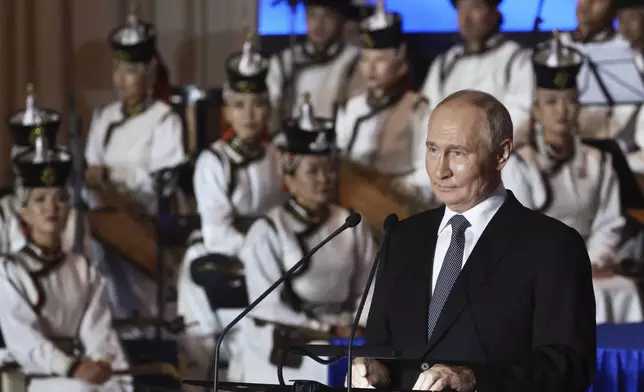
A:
(352, 221)
(390, 222)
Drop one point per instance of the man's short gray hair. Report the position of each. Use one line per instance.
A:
(499, 123)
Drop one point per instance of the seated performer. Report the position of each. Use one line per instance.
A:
(319, 301)
(630, 14)
(128, 141)
(486, 60)
(384, 128)
(54, 314)
(236, 181)
(323, 65)
(27, 126)
(607, 121)
(563, 178)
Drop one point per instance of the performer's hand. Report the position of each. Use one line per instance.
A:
(439, 377)
(107, 370)
(93, 372)
(96, 174)
(367, 372)
(602, 272)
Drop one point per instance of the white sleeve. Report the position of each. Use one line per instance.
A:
(516, 177)
(262, 257)
(97, 334)
(275, 84)
(518, 97)
(166, 151)
(94, 148)
(608, 223)
(216, 211)
(366, 254)
(24, 336)
(342, 129)
(431, 85)
(417, 184)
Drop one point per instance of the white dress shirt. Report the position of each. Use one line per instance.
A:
(479, 216)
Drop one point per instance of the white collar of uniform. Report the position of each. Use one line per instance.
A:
(491, 43)
(481, 214)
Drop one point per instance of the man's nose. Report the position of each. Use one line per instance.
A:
(442, 169)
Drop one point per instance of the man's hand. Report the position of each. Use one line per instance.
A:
(95, 174)
(439, 377)
(93, 372)
(367, 372)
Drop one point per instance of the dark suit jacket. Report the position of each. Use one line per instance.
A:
(521, 314)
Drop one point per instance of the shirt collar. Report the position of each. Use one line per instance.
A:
(481, 214)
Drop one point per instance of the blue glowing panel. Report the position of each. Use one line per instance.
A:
(434, 16)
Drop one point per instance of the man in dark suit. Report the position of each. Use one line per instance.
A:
(491, 296)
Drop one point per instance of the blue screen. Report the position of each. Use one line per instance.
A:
(434, 16)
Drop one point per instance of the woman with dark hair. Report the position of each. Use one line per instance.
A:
(320, 300)
(26, 126)
(54, 314)
(563, 177)
(129, 140)
(236, 181)
(139, 133)
(384, 128)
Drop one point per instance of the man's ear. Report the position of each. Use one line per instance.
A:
(505, 150)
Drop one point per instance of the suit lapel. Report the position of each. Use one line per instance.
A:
(483, 260)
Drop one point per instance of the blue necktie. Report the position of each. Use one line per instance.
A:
(451, 268)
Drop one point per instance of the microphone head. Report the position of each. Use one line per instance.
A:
(353, 219)
(390, 221)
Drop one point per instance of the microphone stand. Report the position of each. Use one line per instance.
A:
(389, 223)
(352, 220)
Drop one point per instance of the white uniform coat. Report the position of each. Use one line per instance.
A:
(133, 148)
(584, 194)
(335, 276)
(503, 69)
(54, 313)
(361, 128)
(623, 122)
(228, 186)
(330, 80)
(12, 238)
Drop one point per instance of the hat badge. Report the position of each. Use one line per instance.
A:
(367, 40)
(48, 176)
(561, 79)
(245, 86)
(35, 134)
(121, 55)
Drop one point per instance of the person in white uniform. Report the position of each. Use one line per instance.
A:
(486, 60)
(607, 121)
(129, 140)
(630, 14)
(384, 127)
(320, 300)
(560, 176)
(27, 126)
(324, 65)
(54, 313)
(236, 180)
